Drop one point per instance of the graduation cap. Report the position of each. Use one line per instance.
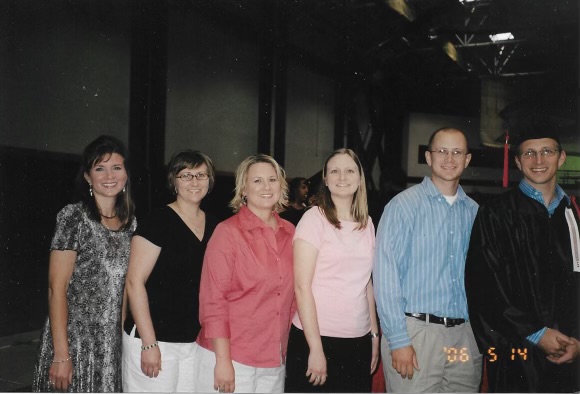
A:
(527, 121)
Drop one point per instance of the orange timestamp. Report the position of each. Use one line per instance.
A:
(461, 355)
(515, 353)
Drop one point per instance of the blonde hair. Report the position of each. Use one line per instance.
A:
(359, 207)
(242, 174)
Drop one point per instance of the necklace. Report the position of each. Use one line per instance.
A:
(195, 222)
(109, 217)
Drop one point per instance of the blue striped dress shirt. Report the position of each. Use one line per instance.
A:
(419, 262)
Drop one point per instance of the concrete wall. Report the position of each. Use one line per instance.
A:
(212, 90)
(64, 73)
(309, 121)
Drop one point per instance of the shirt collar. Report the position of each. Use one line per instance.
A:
(535, 194)
(249, 221)
(432, 190)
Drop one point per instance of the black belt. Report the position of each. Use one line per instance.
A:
(446, 321)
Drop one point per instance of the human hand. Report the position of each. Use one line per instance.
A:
(405, 361)
(375, 354)
(316, 368)
(554, 343)
(60, 375)
(151, 362)
(571, 354)
(224, 376)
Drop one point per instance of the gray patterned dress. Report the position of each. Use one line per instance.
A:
(95, 296)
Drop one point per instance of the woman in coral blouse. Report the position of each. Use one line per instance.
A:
(334, 340)
(247, 287)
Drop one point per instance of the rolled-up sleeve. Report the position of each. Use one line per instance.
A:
(216, 280)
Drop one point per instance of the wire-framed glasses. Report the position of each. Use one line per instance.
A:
(201, 176)
(443, 152)
(545, 152)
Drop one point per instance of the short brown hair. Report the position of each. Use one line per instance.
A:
(189, 159)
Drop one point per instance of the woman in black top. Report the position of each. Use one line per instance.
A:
(163, 282)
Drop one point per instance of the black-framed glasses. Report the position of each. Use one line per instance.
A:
(201, 176)
(443, 152)
(545, 152)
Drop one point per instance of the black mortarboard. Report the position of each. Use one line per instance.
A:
(526, 121)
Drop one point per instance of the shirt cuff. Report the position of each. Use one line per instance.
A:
(398, 339)
(537, 336)
(217, 330)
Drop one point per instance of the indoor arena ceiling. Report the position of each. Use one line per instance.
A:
(545, 33)
(429, 45)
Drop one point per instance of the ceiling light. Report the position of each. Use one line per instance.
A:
(450, 51)
(403, 8)
(501, 37)
(466, 1)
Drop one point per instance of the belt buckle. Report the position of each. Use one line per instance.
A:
(446, 323)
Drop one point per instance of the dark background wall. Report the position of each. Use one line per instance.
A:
(72, 70)
(64, 79)
(292, 79)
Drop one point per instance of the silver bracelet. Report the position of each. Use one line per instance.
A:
(374, 334)
(61, 361)
(150, 346)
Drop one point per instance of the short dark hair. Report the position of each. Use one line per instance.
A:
(95, 152)
(293, 186)
(189, 159)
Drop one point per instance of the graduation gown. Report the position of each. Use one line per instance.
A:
(519, 278)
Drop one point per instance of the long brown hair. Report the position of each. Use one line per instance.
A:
(359, 207)
(98, 150)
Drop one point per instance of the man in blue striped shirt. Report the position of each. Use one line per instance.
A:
(421, 244)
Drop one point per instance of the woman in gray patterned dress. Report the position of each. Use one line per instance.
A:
(80, 349)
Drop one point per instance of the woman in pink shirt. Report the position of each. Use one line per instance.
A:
(247, 287)
(334, 340)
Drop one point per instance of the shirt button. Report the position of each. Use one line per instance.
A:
(451, 256)
(451, 232)
(278, 293)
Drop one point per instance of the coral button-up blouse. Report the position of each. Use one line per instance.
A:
(247, 289)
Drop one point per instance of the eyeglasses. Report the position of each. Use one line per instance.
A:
(532, 154)
(202, 176)
(444, 152)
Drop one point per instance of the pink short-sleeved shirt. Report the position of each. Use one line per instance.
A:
(343, 270)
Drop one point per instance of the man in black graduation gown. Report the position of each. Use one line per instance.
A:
(522, 277)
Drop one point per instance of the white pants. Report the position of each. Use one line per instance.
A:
(448, 358)
(178, 364)
(247, 379)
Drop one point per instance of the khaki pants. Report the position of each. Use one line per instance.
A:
(448, 358)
